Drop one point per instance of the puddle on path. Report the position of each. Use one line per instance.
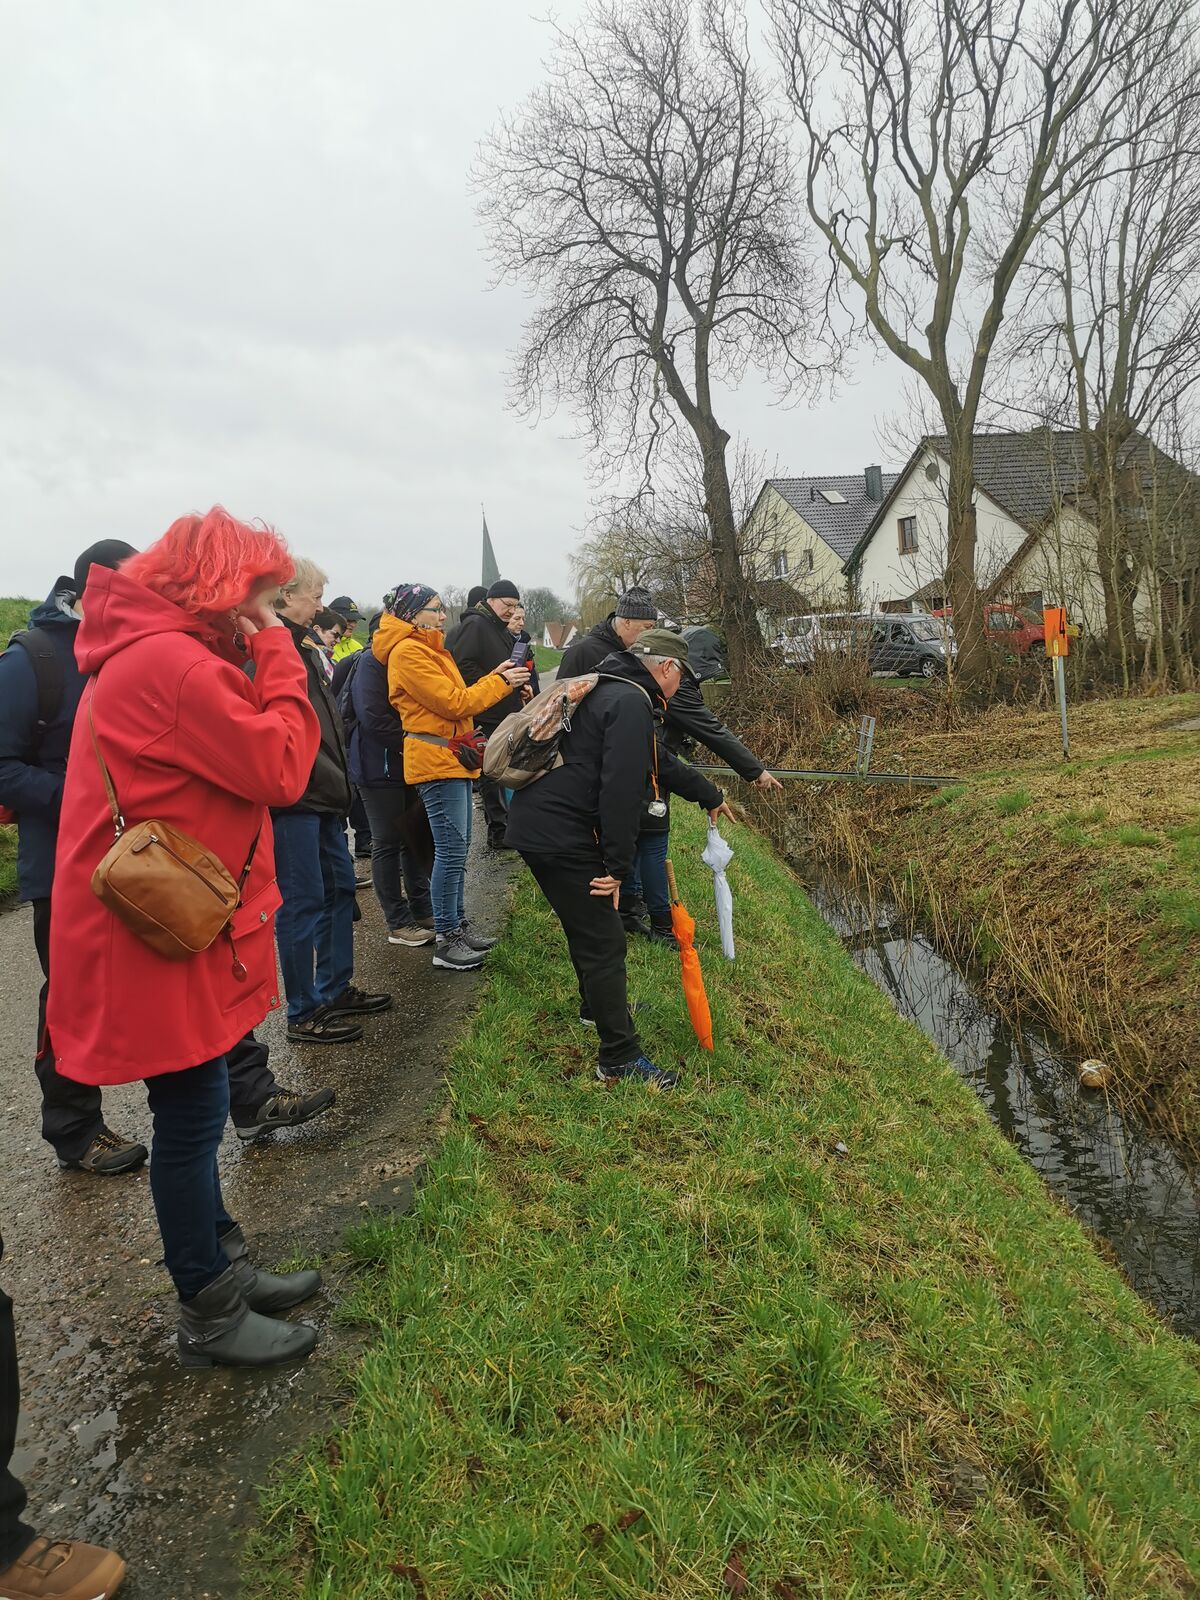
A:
(1127, 1185)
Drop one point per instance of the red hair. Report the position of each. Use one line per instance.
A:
(209, 564)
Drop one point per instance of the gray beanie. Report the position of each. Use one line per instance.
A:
(635, 605)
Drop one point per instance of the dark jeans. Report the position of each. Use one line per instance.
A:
(495, 806)
(314, 926)
(189, 1110)
(15, 1536)
(251, 1080)
(649, 876)
(361, 826)
(71, 1114)
(394, 866)
(448, 806)
(596, 940)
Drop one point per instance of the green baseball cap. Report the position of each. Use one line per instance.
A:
(660, 642)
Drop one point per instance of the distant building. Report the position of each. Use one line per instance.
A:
(801, 532)
(558, 635)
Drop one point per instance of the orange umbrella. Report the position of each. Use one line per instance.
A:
(684, 927)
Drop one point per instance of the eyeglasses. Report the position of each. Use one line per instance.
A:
(434, 611)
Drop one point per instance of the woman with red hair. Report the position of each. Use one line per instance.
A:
(189, 740)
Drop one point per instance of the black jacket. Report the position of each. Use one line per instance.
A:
(479, 643)
(328, 791)
(689, 718)
(598, 793)
(676, 777)
(587, 652)
(377, 734)
(32, 769)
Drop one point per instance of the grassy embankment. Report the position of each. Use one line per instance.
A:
(1075, 885)
(632, 1345)
(14, 613)
(545, 659)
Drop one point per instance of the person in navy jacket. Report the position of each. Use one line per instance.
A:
(33, 767)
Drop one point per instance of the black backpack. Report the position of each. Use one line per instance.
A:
(51, 687)
(345, 699)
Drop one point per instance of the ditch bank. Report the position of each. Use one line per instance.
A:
(806, 1325)
(1071, 890)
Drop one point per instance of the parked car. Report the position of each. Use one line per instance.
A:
(800, 639)
(1009, 628)
(910, 643)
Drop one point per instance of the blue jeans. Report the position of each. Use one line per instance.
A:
(189, 1110)
(649, 876)
(314, 926)
(448, 807)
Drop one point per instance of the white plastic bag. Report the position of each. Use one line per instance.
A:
(717, 855)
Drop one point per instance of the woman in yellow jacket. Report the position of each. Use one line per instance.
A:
(436, 708)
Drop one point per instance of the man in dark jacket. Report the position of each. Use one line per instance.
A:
(315, 924)
(635, 613)
(40, 686)
(479, 643)
(577, 829)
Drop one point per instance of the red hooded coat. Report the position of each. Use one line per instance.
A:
(189, 740)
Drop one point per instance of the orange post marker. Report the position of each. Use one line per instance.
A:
(1054, 620)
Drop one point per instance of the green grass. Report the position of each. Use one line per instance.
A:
(14, 614)
(630, 1345)
(545, 659)
(1016, 800)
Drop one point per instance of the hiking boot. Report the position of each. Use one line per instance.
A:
(218, 1329)
(62, 1570)
(426, 922)
(476, 941)
(266, 1291)
(590, 1022)
(498, 840)
(413, 936)
(653, 1077)
(322, 1027)
(286, 1108)
(456, 955)
(663, 933)
(355, 1002)
(106, 1156)
(635, 924)
(362, 880)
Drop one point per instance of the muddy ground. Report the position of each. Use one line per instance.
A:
(118, 1444)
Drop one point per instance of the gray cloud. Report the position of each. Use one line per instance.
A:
(241, 264)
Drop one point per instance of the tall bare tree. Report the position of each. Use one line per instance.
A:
(645, 192)
(1110, 325)
(943, 137)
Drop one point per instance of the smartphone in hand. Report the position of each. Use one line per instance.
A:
(521, 653)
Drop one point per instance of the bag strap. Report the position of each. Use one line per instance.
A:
(118, 819)
(48, 676)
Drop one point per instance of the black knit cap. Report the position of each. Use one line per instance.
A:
(476, 596)
(635, 605)
(504, 589)
(104, 553)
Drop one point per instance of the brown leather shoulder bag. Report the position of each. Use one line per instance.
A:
(163, 884)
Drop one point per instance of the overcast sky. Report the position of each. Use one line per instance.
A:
(240, 263)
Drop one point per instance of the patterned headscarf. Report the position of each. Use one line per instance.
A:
(406, 600)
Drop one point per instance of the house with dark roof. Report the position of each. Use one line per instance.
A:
(558, 635)
(801, 532)
(1035, 526)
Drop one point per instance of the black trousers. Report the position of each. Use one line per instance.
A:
(71, 1114)
(495, 806)
(361, 825)
(14, 1535)
(251, 1080)
(596, 940)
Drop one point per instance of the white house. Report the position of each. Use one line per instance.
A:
(802, 531)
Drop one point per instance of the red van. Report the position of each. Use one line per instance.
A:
(1010, 628)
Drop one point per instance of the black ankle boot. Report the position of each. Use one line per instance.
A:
(266, 1291)
(663, 933)
(218, 1329)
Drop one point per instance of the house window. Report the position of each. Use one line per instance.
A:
(908, 536)
(779, 564)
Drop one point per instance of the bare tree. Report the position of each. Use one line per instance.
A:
(646, 193)
(943, 137)
(1111, 328)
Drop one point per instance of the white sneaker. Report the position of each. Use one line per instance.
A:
(412, 936)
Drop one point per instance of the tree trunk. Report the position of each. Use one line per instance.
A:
(970, 664)
(739, 620)
(1114, 559)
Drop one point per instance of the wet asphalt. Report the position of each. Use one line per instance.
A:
(117, 1443)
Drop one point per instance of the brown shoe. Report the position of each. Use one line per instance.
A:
(63, 1571)
(107, 1155)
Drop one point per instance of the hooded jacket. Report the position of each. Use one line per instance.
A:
(595, 799)
(587, 652)
(32, 769)
(328, 789)
(190, 739)
(376, 732)
(427, 691)
(480, 643)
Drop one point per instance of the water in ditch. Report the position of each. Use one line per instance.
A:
(1127, 1185)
